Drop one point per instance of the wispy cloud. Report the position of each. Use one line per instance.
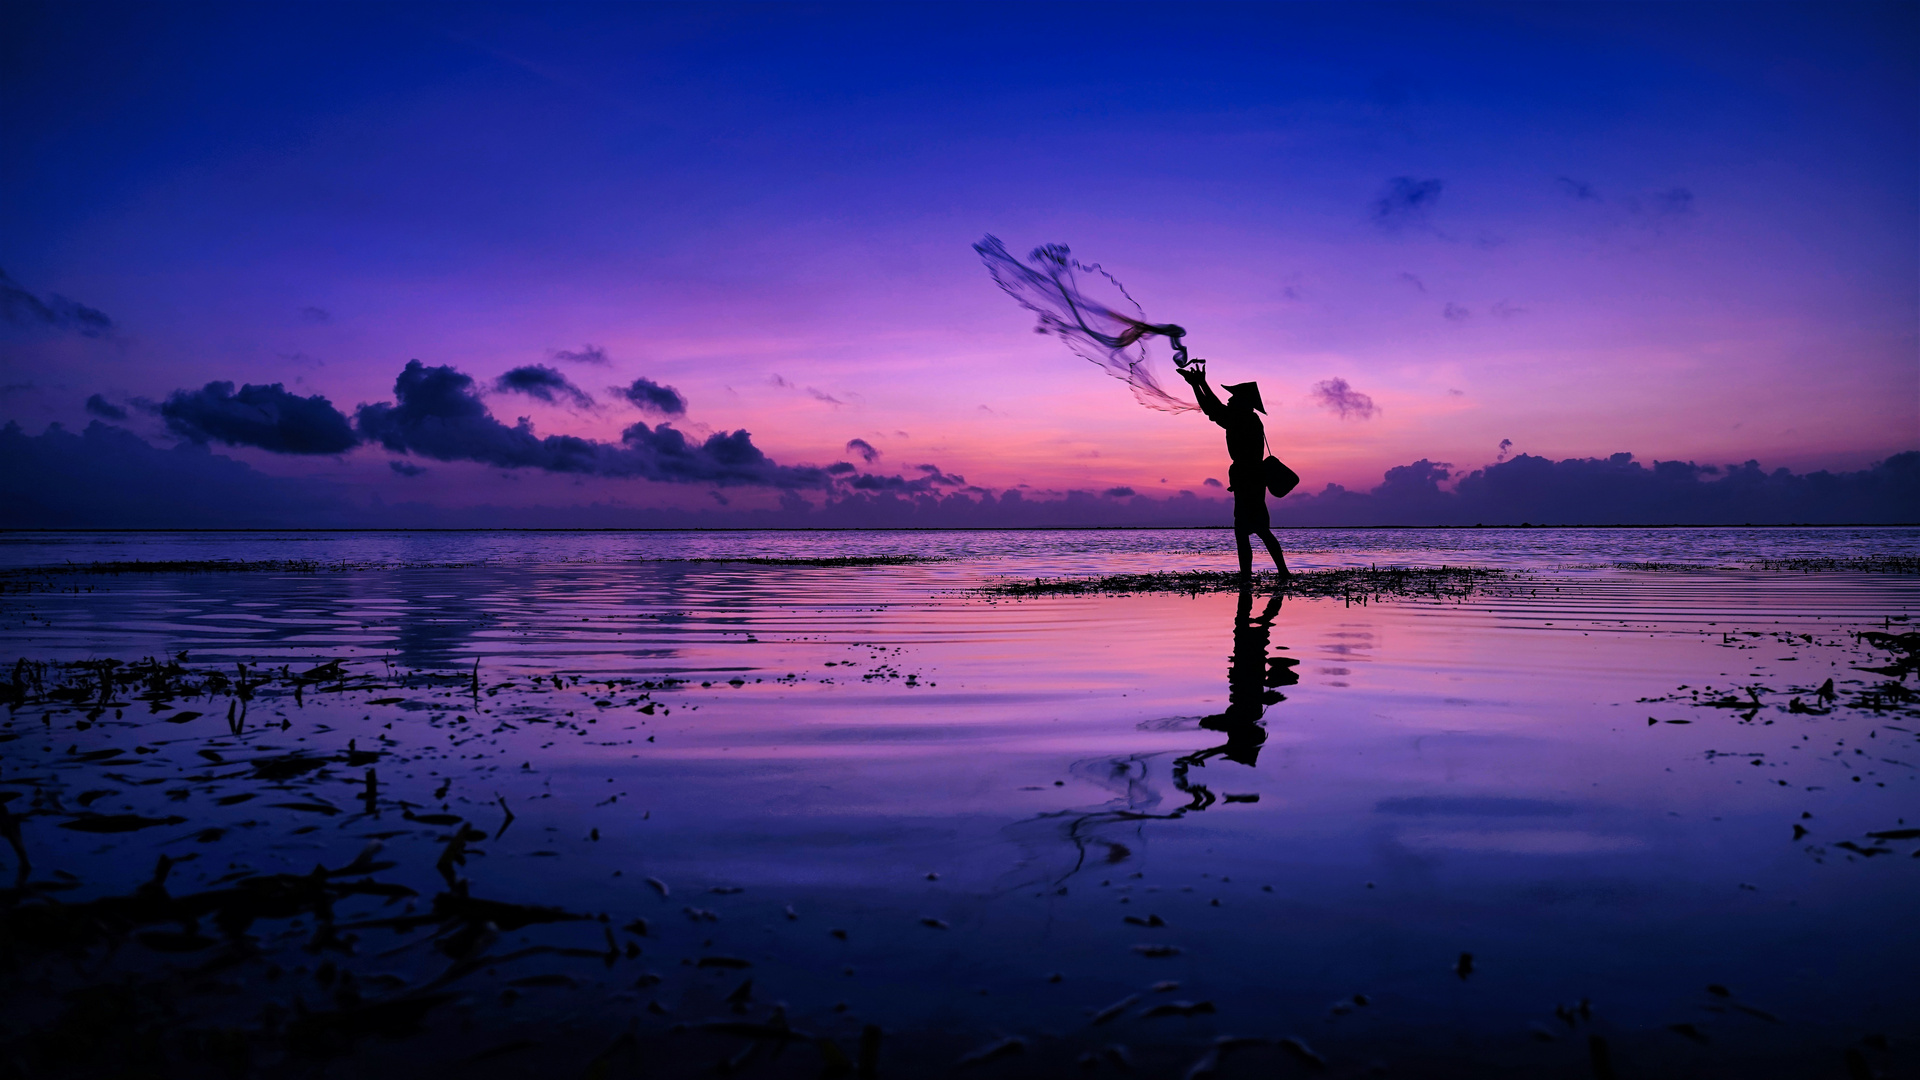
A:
(1406, 203)
(56, 312)
(585, 354)
(1348, 403)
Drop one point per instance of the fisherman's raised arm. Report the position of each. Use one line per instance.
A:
(1196, 376)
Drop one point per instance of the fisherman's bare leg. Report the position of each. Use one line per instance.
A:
(1245, 545)
(1273, 549)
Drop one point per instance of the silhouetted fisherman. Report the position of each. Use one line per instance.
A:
(1251, 678)
(1247, 451)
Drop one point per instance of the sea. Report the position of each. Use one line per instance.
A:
(1564, 802)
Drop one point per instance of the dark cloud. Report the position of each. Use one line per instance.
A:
(934, 474)
(264, 416)
(866, 449)
(1344, 400)
(317, 315)
(1406, 203)
(1578, 189)
(406, 468)
(1506, 445)
(439, 415)
(1118, 493)
(650, 396)
(56, 312)
(1211, 482)
(544, 383)
(1453, 312)
(104, 409)
(1503, 310)
(1413, 280)
(586, 354)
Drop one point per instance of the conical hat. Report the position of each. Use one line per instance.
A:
(1252, 392)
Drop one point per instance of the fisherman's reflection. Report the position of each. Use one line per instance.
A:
(1252, 679)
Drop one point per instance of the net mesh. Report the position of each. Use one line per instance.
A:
(1077, 302)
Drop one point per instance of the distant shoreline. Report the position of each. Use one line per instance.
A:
(954, 529)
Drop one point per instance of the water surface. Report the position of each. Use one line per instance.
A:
(1614, 785)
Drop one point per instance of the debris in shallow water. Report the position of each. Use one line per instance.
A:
(936, 924)
(1115, 1009)
(118, 823)
(1302, 1053)
(1157, 950)
(1177, 1008)
(1007, 1047)
(1463, 967)
(659, 886)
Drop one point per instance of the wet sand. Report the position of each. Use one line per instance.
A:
(903, 818)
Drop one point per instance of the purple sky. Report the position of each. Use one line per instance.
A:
(1681, 231)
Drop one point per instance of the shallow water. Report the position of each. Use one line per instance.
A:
(867, 748)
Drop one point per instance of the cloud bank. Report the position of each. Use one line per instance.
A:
(1617, 490)
(108, 477)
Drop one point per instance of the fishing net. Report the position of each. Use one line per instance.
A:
(1076, 303)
